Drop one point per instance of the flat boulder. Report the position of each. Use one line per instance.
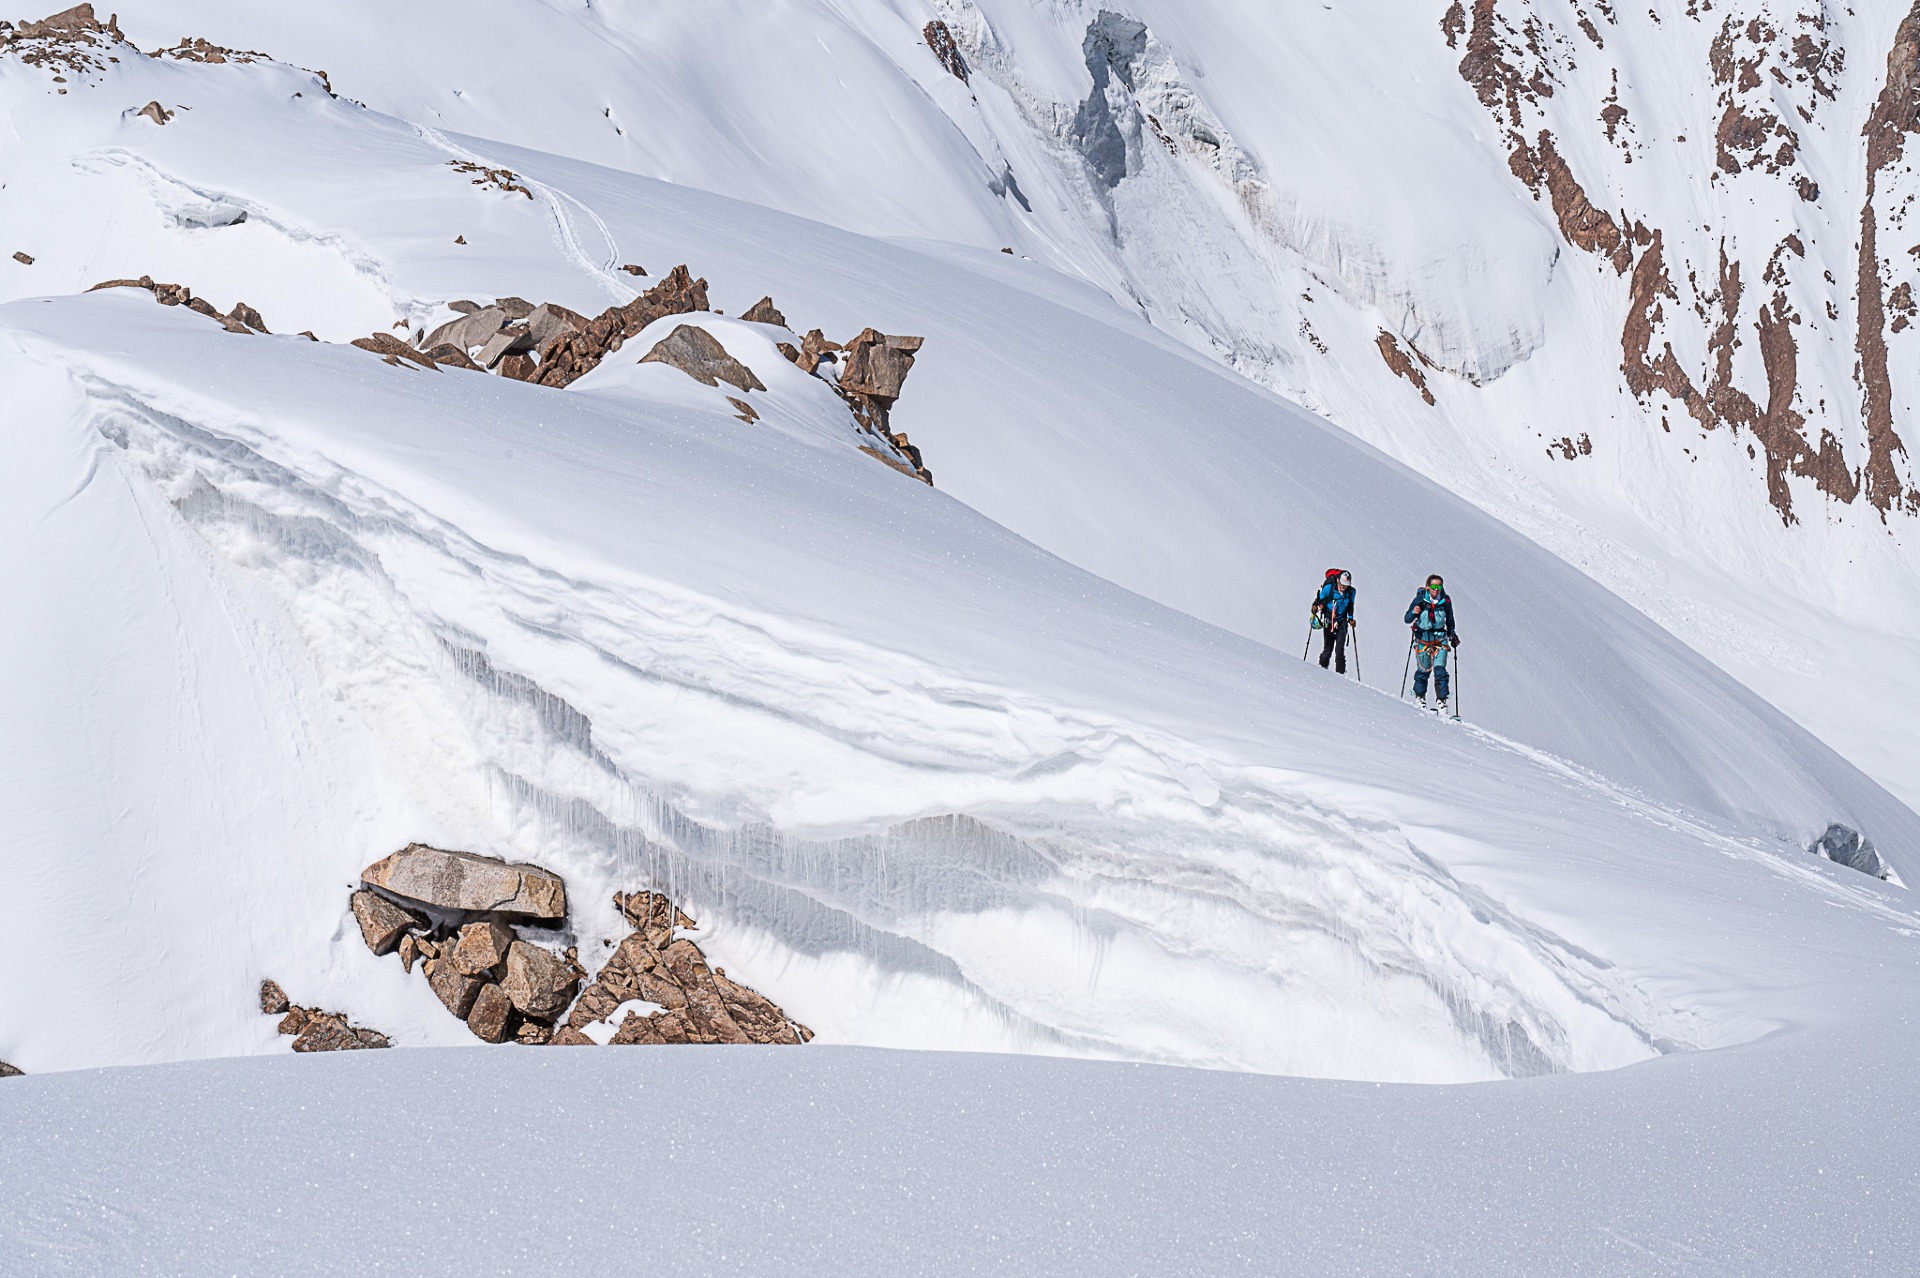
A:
(466, 881)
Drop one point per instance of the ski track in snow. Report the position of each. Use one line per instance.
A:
(605, 271)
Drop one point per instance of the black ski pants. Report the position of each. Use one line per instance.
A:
(1334, 647)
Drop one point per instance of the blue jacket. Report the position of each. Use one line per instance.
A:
(1431, 618)
(1333, 603)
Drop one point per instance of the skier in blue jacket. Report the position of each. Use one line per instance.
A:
(1333, 613)
(1434, 636)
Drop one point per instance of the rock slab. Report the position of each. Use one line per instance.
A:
(467, 881)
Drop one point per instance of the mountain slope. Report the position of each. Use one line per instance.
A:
(1625, 256)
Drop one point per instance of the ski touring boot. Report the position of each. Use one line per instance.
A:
(1445, 713)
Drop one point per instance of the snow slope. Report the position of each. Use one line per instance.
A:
(864, 1162)
(1309, 193)
(992, 765)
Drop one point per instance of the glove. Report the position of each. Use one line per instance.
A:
(1454, 640)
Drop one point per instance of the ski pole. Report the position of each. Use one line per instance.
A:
(1309, 644)
(1356, 651)
(1456, 682)
(1406, 668)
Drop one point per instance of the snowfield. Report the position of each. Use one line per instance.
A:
(1020, 765)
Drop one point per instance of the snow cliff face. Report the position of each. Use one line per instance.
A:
(1634, 282)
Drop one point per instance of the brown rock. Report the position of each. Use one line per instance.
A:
(699, 355)
(472, 329)
(764, 312)
(939, 38)
(519, 367)
(533, 1033)
(877, 364)
(385, 344)
(382, 923)
(67, 21)
(329, 1032)
(453, 987)
(511, 340)
(273, 999)
(631, 269)
(452, 357)
(661, 1027)
(466, 881)
(14, 1071)
(244, 314)
(465, 307)
(488, 1017)
(23, 259)
(482, 947)
(294, 1021)
(568, 1036)
(539, 983)
(155, 112)
(409, 951)
(171, 294)
(549, 322)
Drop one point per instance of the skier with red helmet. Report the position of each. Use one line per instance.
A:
(1333, 614)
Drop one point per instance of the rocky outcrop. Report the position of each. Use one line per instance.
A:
(155, 112)
(70, 42)
(1402, 364)
(764, 312)
(1846, 846)
(490, 179)
(14, 1071)
(467, 881)
(699, 355)
(575, 354)
(506, 987)
(868, 373)
(697, 1003)
(1896, 113)
(939, 38)
(243, 319)
(314, 1030)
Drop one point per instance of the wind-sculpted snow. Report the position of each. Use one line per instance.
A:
(923, 784)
